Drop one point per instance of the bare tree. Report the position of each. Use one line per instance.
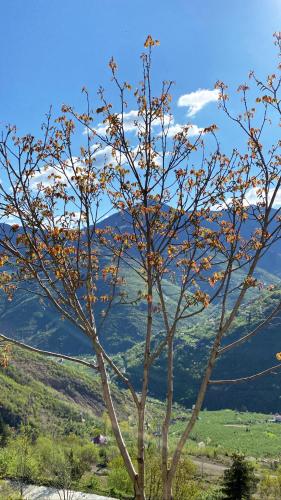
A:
(186, 207)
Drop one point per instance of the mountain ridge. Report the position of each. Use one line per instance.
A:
(26, 319)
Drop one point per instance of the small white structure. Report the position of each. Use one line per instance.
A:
(201, 444)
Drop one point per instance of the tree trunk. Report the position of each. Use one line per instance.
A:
(167, 488)
(139, 495)
(115, 425)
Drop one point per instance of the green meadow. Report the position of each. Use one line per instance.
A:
(227, 431)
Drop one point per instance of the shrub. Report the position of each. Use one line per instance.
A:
(7, 492)
(184, 485)
(118, 478)
(89, 482)
(270, 486)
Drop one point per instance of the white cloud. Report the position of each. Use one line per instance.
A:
(192, 131)
(131, 123)
(252, 198)
(43, 177)
(46, 176)
(195, 101)
(69, 221)
(165, 120)
(10, 219)
(102, 154)
(130, 120)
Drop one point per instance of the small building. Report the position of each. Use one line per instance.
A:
(276, 419)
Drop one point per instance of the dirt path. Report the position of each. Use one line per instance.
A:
(210, 468)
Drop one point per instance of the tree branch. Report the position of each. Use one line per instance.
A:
(48, 353)
(251, 334)
(247, 379)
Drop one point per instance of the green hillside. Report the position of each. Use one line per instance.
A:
(51, 394)
(40, 325)
(29, 319)
(36, 322)
(191, 350)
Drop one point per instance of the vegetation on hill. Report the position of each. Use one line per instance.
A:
(52, 394)
(191, 350)
(41, 326)
(37, 322)
(50, 410)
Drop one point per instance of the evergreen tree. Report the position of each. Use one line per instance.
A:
(239, 481)
(4, 432)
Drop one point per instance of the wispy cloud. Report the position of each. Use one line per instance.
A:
(252, 197)
(195, 101)
(51, 174)
(176, 128)
(132, 122)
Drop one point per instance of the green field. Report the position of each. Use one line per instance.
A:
(226, 431)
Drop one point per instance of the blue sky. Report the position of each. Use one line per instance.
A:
(51, 48)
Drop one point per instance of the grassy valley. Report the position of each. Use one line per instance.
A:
(50, 411)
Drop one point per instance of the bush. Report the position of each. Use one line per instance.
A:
(7, 492)
(184, 485)
(153, 484)
(21, 463)
(87, 455)
(3, 463)
(270, 486)
(90, 483)
(118, 478)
